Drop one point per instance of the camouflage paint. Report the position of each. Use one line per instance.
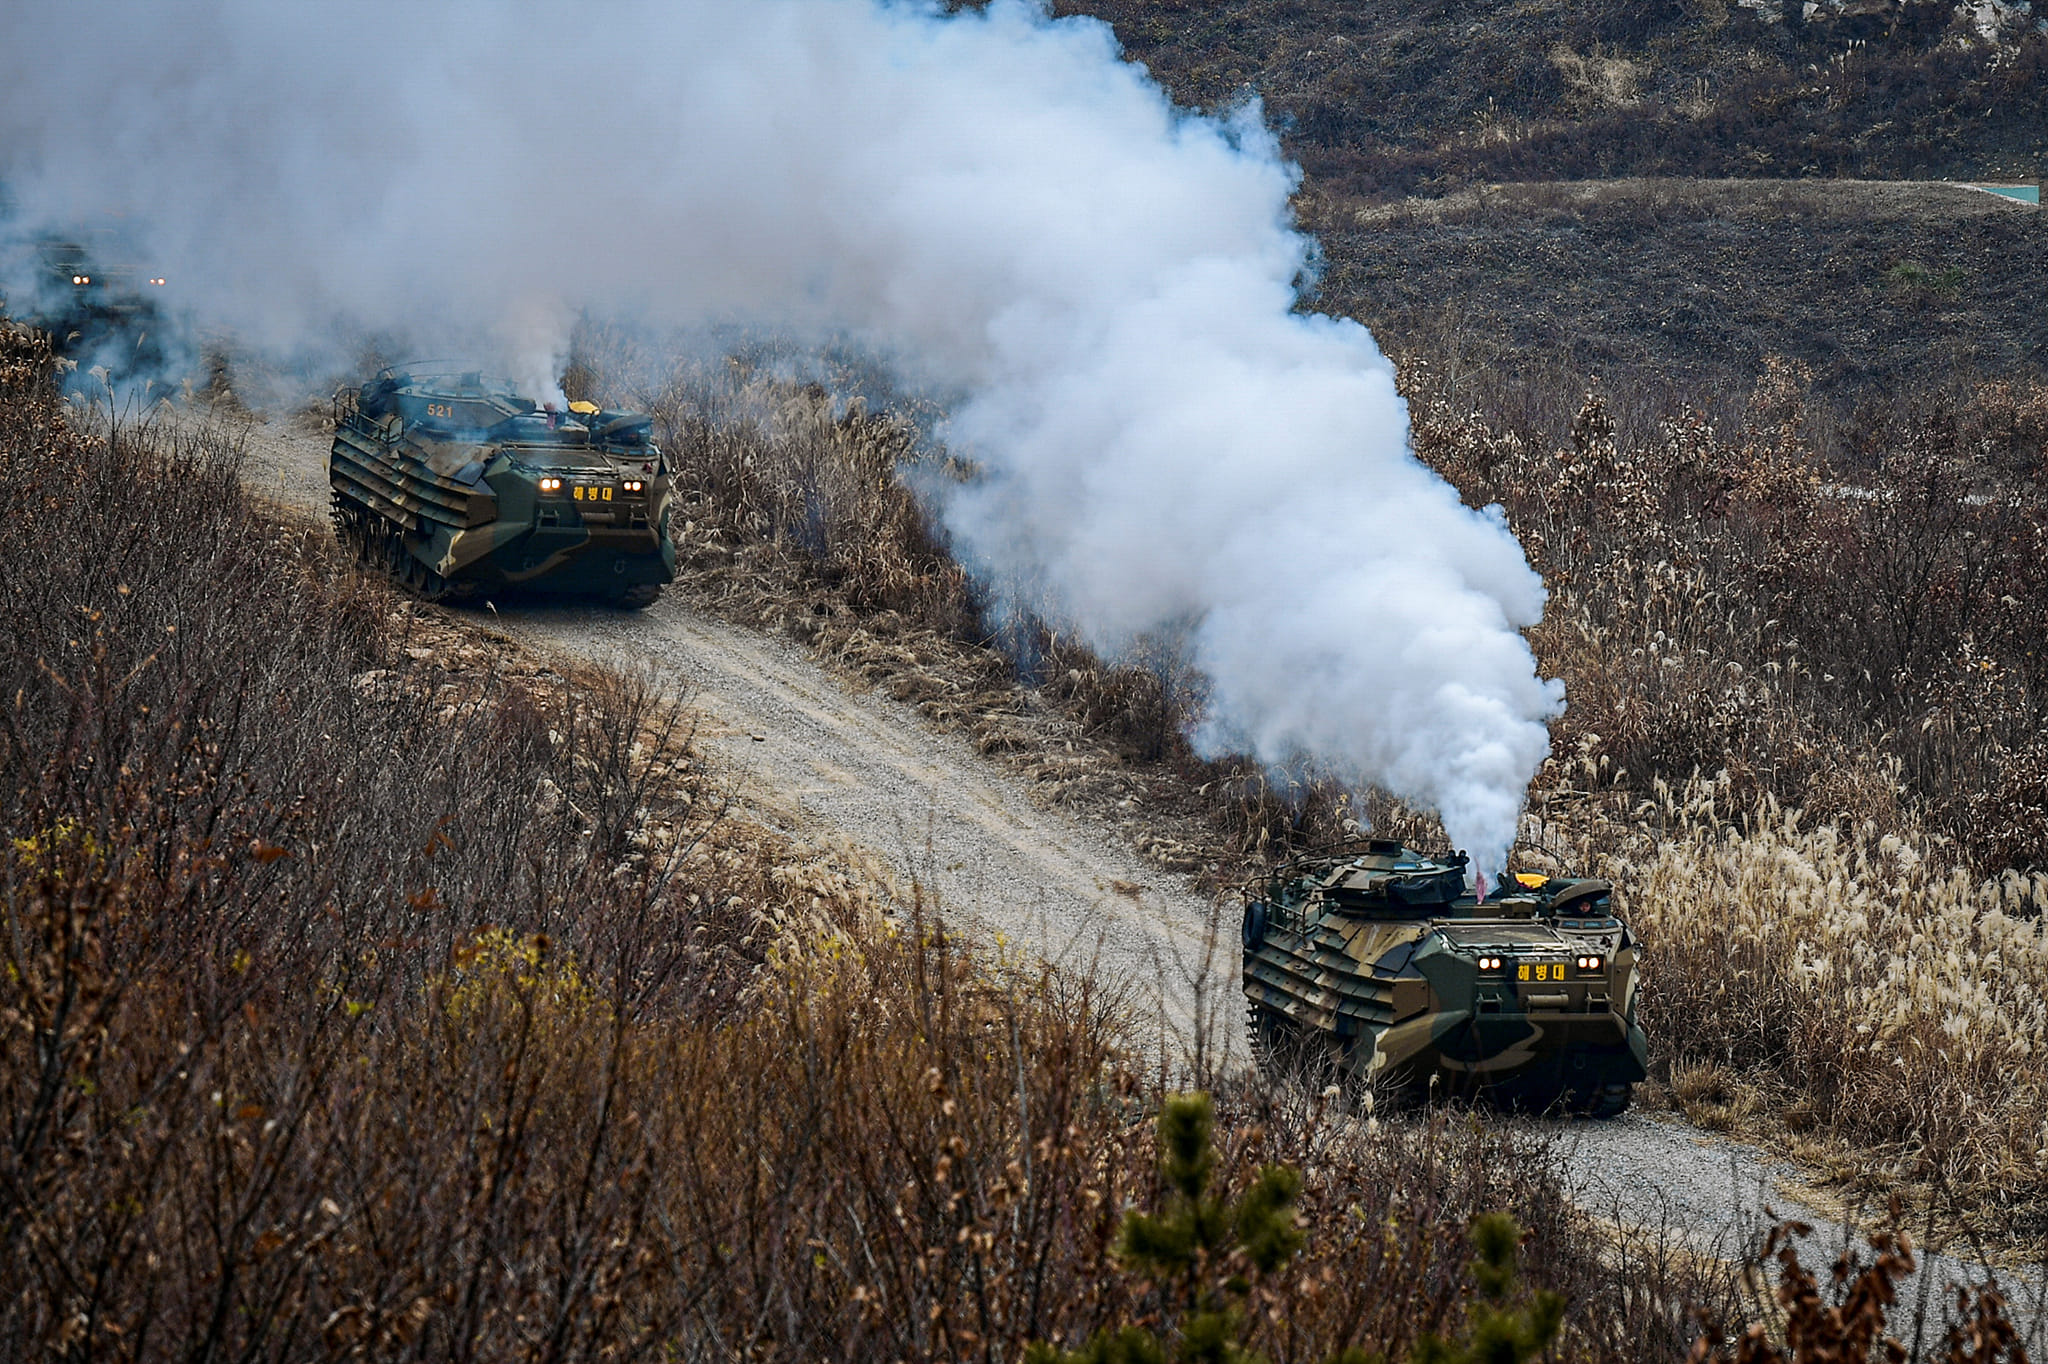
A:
(1374, 961)
(455, 484)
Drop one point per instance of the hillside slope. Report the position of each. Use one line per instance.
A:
(1386, 98)
(1674, 290)
(858, 772)
(1713, 214)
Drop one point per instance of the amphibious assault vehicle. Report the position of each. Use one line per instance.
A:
(454, 484)
(97, 305)
(1381, 966)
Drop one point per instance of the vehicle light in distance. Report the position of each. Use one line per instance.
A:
(81, 279)
(159, 281)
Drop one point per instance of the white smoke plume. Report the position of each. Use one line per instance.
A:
(994, 199)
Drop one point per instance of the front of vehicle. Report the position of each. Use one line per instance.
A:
(595, 492)
(465, 485)
(99, 306)
(1532, 999)
(1383, 965)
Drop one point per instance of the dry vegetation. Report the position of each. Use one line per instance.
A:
(364, 997)
(1390, 98)
(1807, 700)
(1676, 292)
(1840, 985)
(1858, 1320)
(1654, 192)
(1799, 637)
(367, 995)
(1861, 642)
(1807, 707)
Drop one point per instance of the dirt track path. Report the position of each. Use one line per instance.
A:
(833, 765)
(838, 767)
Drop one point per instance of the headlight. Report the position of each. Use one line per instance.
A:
(81, 279)
(1490, 963)
(634, 485)
(1589, 963)
(551, 485)
(159, 280)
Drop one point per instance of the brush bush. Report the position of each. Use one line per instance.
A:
(1787, 672)
(368, 989)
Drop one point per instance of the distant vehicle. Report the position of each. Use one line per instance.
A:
(454, 484)
(1380, 966)
(97, 303)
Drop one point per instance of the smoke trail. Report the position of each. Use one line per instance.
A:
(994, 199)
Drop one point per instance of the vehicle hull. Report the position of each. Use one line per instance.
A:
(1510, 999)
(459, 487)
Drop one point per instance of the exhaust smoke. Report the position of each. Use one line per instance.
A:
(1015, 217)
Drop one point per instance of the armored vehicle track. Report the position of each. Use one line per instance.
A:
(453, 484)
(1380, 966)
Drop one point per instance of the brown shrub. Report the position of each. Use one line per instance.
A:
(1733, 605)
(1864, 1316)
(357, 1003)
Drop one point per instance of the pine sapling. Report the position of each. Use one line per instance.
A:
(1502, 1330)
(1197, 1248)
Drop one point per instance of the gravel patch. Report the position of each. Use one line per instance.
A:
(1719, 1197)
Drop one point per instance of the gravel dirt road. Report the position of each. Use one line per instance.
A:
(836, 766)
(833, 765)
(806, 752)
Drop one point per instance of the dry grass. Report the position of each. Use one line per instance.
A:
(1843, 985)
(371, 990)
(1832, 666)
(1804, 737)
(1857, 642)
